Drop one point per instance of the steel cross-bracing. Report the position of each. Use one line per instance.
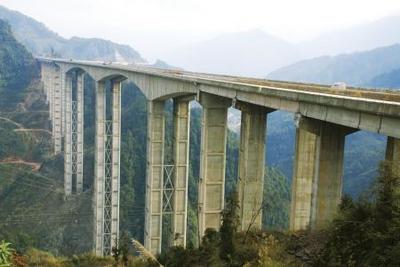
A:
(168, 189)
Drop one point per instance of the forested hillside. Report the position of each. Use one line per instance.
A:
(17, 66)
(33, 211)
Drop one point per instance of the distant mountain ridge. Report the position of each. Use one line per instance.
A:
(250, 53)
(357, 69)
(256, 53)
(367, 36)
(41, 41)
(389, 80)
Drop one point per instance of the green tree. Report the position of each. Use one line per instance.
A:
(209, 249)
(366, 233)
(230, 224)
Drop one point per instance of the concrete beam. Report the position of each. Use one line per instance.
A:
(251, 165)
(318, 172)
(155, 176)
(212, 161)
(181, 169)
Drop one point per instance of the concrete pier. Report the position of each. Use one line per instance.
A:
(107, 169)
(251, 165)
(212, 161)
(57, 110)
(99, 172)
(68, 169)
(155, 176)
(318, 173)
(79, 131)
(73, 136)
(181, 169)
(116, 160)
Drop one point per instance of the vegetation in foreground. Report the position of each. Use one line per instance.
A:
(365, 233)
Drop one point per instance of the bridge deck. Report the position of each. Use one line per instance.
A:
(391, 96)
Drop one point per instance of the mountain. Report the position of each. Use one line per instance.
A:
(33, 211)
(41, 41)
(356, 69)
(390, 79)
(251, 53)
(367, 36)
(17, 66)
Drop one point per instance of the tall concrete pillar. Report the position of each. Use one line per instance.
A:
(318, 173)
(45, 79)
(107, 169)
(73, 136)
(181, 169)
(212, 161)
(155, 176)
(50, 96)
(57, 112)
(251, 165)
(99, 171)
(63, 102)
(79, 131)
(48, 89)
(68, 169)
(393, 155)
(116, 161)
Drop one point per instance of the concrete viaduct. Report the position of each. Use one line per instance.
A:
(323, 117)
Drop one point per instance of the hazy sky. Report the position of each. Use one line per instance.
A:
(145, 24)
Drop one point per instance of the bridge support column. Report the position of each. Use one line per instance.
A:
(393, 155)
(79, 131)
(318, 173)
(116, 160)
(212, 162)
(251, 165)
(50, 85)
(43, 76)
(73, 136)
(181, 169)
(107, 169)
(99, 172)
(68, 146)
(63, 104)
(155, 176)
(57, 111)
